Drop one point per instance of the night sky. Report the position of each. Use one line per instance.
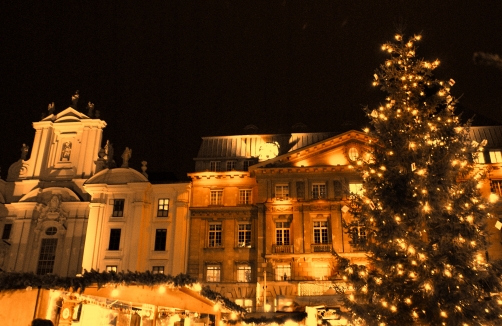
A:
(165, 73)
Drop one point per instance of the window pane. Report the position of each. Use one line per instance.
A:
(111, 268)
(321, 232)
(245, 196)
(213, 273)
(114, 243)
(160, 239)
(244, 235)
(214, 235)
(495, 157)
(282, 233)
(282, 191)
(216, 197)
(158, 269)
(318, 190)
(243, 273)
(7, 228)
(163, 208)
(47, 256)
(118, 208)
(231, 165)
(283, 272)
(214, 166)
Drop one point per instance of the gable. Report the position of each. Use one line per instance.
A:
(340, 150)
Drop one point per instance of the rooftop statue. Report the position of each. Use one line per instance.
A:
(125, 157)
(74, 100)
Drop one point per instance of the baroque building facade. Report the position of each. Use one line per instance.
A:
(68, 207)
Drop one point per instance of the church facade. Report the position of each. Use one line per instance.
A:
(67, 207)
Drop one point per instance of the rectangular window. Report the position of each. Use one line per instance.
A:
(231, 165)
(496, 187)
(111, 268)
(215, 166)
(213, 273)
(246, 164)
(283, 272)
(214, 235)
(358, 235)
(244, 235)
(356, 188)
(282, 192)
(321, 271)
(243, 273)
(158, 269)
(245, 196)
(47, 256)
(245, 303)
(118, 208)
(495, 157)
(282, 233)
(479, 157)
(318, 190)
(160, 239)
(7, 228)
(114, 243)
(321, 232)
(163, 207)
(216, 197)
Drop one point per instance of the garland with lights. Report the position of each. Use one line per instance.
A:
(421, 218)
(19, 281)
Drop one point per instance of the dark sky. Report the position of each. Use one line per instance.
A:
(165, 73)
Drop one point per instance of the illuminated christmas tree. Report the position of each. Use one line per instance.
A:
(421, 212)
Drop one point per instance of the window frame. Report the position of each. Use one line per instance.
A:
(217, 199)
(162, 211)
(7, 231)
(245, 196)
(160, 243)
(282, 272)
(118, 207)
(281, 195)
(115, 239)
(495, 156)
(111, 268)
(317, 191)
(47, 256)
(231, 165)
(158, 269)
(244, 235)
(215, 235)
(244, 273)
(215, 275)
(215, 166)
(285, 233)
(322, 230)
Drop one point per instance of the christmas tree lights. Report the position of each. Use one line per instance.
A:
(421, 210)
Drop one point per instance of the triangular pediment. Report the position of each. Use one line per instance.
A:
(69, 114)
(339, 150)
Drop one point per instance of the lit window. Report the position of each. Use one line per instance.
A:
(214, 235)
(322, 271)
(118, 208)
(231, 165)
(356, 188)
(495, 157)
(478, 157)
(214, 166)
(111, 268)
(318, 190)
(158, 269)
(114, 243)
(160, 239)
(358, 235)
(282, 233)
(247, 164)
(216, 197)
(163, 208)
(7, 228)
(245, 303)
(47, 256)
(213, 273)
(245, 196)
(282, 192)
(283, 272)
(321, 232)
(243, 273)
(244, 235)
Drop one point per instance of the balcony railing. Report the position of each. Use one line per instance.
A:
(282, 249)
(320, 247)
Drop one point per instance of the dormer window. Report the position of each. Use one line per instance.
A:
(215, 166)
